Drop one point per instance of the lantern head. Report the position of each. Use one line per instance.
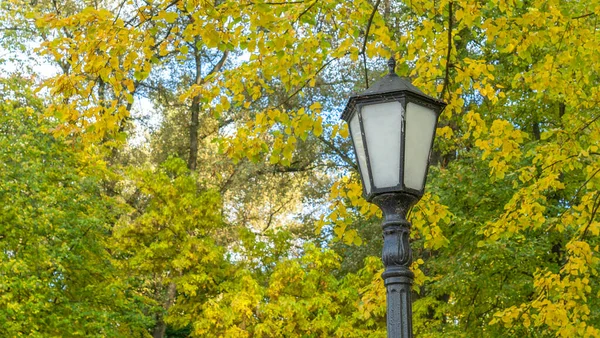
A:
(392, 125)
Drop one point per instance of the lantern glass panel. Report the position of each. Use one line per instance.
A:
(382, 125)
(420, 127)
(361, 154)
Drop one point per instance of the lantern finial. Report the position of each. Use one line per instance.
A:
(392, 65)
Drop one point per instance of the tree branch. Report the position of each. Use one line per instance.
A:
(594, 210)
(587, 124)
(577, 193)
(272, 215)
(305, 83)
(338, 152)
(583, 16)
(305, 11)
(275, 3)
(219, 64)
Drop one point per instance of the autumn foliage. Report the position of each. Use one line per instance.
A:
(177, 168)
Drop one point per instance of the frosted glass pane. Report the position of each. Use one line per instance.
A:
(383, 123)
(360, 151)
(420, 126)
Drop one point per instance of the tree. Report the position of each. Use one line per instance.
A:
(506, 240)
(56, 273)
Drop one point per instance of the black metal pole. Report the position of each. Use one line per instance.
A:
(397, 258)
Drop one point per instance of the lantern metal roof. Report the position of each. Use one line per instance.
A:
(389, 85)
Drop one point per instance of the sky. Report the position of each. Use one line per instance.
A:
(12, 62)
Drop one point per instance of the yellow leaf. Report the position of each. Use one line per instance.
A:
(318, 129)
(344, 131)
(316, 106)
(169, 17)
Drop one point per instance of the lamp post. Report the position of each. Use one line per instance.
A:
(392, 125)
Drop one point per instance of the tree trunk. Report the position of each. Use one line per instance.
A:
(194, 125)
(192, 163)
(161, 326)
(195, 110)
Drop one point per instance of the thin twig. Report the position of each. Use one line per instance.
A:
(583, 185)
(576, 194)
(558, 161)
(583, 16)
(587, 124)
(594, 210)
(336, 150)
(275, 3)
(272, 215)
(364, 47)
(447, 76)
(305, 83)
(568, 157)
(304, 12)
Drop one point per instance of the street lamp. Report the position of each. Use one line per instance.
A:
(392, 125)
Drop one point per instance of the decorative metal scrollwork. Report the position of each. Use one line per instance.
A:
(396, 246)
